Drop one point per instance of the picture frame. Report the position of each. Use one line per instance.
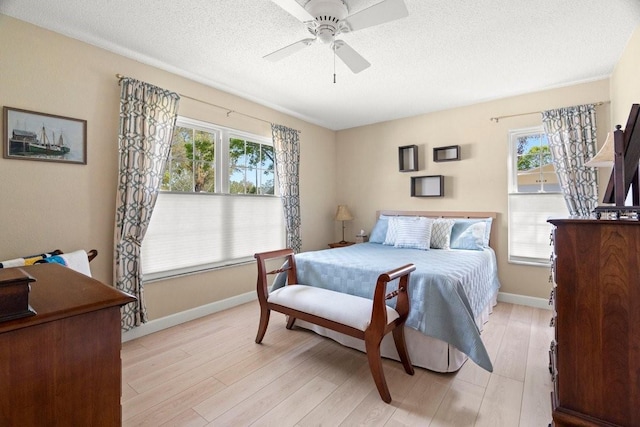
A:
(427, 186)
(446, 154)
(408, 158)
(30, 135)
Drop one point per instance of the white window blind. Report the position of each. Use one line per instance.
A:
(528, 227)
(193, 232)
(534, 196)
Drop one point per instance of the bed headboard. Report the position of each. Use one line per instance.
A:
(447, 214)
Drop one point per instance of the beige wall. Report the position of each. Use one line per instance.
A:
(625, 81)
(369, 177)
(47, 205)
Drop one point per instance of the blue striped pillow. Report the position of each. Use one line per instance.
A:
(413, 233)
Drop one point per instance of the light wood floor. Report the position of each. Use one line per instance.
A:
(209, 372)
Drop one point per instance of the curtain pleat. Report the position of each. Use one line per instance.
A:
(287, 149)
(147, 118)
(571, 133)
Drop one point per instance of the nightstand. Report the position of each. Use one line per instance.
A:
(341, 244)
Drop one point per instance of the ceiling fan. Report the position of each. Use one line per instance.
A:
(326, 19)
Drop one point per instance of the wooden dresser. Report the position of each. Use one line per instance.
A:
(61, 367)
(595, 357)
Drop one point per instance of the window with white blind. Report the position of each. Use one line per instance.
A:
(534, 196)
(217, 205)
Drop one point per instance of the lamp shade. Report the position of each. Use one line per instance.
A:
(343, 214)
(604, 157)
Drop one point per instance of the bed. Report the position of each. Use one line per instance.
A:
(452, 290)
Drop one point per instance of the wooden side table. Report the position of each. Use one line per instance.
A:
(341, 244)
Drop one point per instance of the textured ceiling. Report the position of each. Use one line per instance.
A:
(446, 53)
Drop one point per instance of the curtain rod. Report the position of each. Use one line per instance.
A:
(498, 118)
(229, 111)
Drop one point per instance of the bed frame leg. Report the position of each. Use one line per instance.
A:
(401, 346)
(375, 365)
(264, 322)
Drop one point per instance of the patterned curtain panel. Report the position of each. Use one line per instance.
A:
(147, 118)
(287, 147)
(572, 140)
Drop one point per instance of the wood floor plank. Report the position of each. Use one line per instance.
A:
(501, 403)
(187, 418)
(210, 372)
(422, 401)
(541, 332)
(166, 392)
(232, 395)
(278, 390)
(521, 313)
(166, 410)
(153, 362)
(511, 360)
(263, 354)
(297, 405)
(460, 405)
(337, 406)
(372, 410)
(536, 398)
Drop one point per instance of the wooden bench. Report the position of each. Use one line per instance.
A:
(369, 320)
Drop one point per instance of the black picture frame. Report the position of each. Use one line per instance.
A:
(446, 154)
(408, 158)
(30, 135)
(427, 186)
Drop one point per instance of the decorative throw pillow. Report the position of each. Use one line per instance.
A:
(441, 233)
(392, 231)
(414, 233)
(487, 232)
(379, 232)
(468, 234)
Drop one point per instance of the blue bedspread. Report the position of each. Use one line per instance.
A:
(448, 289)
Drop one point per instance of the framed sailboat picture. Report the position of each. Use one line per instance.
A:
(46, 137)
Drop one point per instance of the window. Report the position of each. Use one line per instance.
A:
(217, 205)
(534, 196)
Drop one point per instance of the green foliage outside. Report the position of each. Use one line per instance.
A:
(533, 156)
(191, 165)
(251, 167)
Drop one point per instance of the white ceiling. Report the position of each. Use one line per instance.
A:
(445, 54)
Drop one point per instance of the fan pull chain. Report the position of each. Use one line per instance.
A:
(334, 64)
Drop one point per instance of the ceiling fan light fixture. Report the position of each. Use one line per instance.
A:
(330, 18)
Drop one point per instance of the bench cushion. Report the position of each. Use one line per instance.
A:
(343, 308)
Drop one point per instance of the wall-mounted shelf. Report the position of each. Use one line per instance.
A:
(446, 154)
(408, 158)
(427, 186)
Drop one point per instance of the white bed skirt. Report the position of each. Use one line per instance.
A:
(424, 351)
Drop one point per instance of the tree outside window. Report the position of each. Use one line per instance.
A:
(251, 167)
(191, 164)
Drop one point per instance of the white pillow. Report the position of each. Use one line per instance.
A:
(441, 233)
(414, 233)
(392, 230)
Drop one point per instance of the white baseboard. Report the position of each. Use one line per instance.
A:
(186, 316)
(524, 300)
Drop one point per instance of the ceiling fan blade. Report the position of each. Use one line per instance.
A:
(288, 50)
(385, 11)
(350, 57)
(294, 9)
